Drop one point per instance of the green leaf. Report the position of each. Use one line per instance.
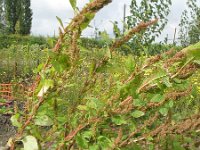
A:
(177, 145)
(118, 120)
(164, 111)
(82, 142)
(88, 134)
(82, 107)
(157, 98)
(61, 62)
(197, 62)
(138, 102)
(193, 51)
(171, 104)
(94, 103)
(158, 74)
(167, 82)
(48, 83)
(130, 64)
(137, 114)
(60, 21)
(30, 143)
(104, 142)
(15, 120)
(178, 81)
(94, 147)
(116, 30)
(73, 3)
(43, 120)
(88, 18)
(35, 131)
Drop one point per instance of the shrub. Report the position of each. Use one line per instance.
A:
(101, 100)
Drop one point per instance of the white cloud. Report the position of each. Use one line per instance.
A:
(45, 12)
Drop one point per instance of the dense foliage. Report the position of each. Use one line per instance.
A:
(190, 24)
(98, 99)
(19, 61)
(7, 40)
(2, 16)
(12, 9)
(25, 18)
(145, 10)
(16, 16)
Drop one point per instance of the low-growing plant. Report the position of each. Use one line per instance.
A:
(8, 40)
(19, 61)
(99, 99)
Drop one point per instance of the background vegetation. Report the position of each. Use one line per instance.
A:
(126, 92)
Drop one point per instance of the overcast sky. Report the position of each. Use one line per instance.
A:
(45, 12)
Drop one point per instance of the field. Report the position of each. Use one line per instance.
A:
(79, 93)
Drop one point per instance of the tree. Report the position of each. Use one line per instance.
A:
(12, 14)
(25, 20)
(189, 32)
(2, 16)
(18, 16)
(147, 10)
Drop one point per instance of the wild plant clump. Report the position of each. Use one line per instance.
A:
(98, 99)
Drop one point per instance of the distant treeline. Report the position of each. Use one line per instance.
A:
(89, 43)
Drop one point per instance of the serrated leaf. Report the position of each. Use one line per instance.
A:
(30, 143)
(137, 114)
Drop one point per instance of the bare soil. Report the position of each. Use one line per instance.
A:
(6, 129)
